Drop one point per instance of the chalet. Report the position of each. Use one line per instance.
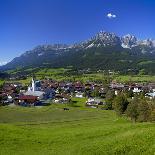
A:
(93, 102)
(61, 98)
(28, 99)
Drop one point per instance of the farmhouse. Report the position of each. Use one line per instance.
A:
(27, 99)
(93, 102)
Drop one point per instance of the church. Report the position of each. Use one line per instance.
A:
(35, 90)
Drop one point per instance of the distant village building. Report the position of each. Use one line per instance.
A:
(35, 90)
(79, 95)
(27, 99)
(150, 95)
(137, 90)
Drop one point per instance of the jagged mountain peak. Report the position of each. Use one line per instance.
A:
(129, 41)
(103, 35)
(103, 39)
(147, 42)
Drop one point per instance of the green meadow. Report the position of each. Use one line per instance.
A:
(79, 131)
(1, 82)
(63, 74)
(135, 78)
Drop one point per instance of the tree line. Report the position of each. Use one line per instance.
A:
(135, 106)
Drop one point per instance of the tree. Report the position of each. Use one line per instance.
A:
(129, 94)
(120, 104)
(144, 111)
(110, 95)
(153, 110)
(1, 100)
(95, 93)
(132, 109)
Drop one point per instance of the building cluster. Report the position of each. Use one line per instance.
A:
(50, 91)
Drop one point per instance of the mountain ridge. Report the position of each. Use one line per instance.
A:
(104, 44)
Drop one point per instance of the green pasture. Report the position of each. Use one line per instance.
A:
(79, 131)
(135, 78)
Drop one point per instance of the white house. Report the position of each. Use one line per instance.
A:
(137, 90)
(79, 95)
(150, 95)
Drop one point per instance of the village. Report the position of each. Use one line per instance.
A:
(47, 91)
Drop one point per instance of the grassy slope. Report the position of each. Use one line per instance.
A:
(50, 130)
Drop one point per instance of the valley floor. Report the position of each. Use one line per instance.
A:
(79, 131)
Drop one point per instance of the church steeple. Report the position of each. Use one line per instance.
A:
(33, 85)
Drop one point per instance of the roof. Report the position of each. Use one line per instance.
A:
(34, 93)
(151, 94)
(27, 97)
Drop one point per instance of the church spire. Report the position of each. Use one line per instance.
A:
(33, 84)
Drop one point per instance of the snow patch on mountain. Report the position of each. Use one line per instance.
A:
(129, 41)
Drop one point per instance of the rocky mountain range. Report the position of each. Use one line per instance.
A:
(105, 50)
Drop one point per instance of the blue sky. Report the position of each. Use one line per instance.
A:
(25, 24)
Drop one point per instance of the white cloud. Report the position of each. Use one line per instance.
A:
(110, 15)
(3, 63)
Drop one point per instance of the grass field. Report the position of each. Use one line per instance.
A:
(62, 74)
(91, 77)
(135, 78)
(1, 82)
(79, 131)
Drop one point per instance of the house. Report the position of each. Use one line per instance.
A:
(61, 98)
(150, 95)
(27, 99)
(93, 102)
(117, 86)
(79, 95)
(136, 90)
(49, 93)
(78, 86)
(10, 99)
